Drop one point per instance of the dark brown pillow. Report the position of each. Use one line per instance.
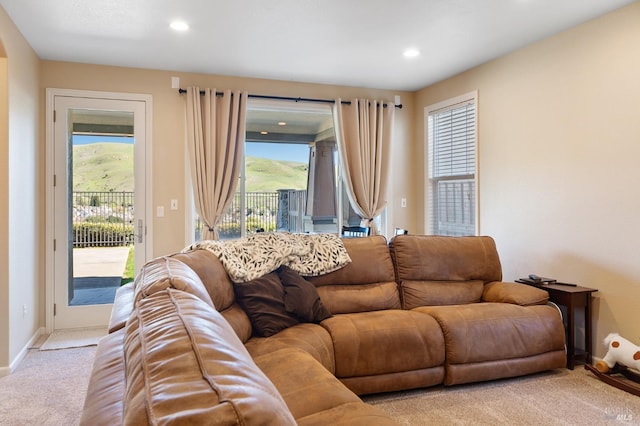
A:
(301, 297)
(263, 301)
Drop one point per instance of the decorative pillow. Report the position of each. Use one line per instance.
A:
(301, 297)
(263, 300)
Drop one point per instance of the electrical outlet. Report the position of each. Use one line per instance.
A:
(174, 204)
(24, 311)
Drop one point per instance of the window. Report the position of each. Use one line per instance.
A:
(290, 178)
(451, 163)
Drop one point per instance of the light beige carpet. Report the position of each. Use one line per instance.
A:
(48, 388)
(73, 338)
(558, 397)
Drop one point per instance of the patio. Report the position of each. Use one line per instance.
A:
(97, 273)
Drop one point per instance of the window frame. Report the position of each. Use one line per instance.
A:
(274, 105)
(429, 203)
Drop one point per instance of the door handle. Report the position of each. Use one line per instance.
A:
(140, 230)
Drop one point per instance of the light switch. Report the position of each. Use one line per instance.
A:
(174, 204)
(160, 211)
(403, 202)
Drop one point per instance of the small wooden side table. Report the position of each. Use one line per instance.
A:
(573, 298)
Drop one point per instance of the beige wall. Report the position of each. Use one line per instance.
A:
(559, 128)
(559, 143)
(168, 165)
(20, 196)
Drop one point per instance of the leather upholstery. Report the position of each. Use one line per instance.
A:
(417, 312)
(498, 332)
(432, 258)
(517, 294)
(122, 307)
(365, 284)
(173, 334)
(103, 403)
(312, 392)
(314, 339)
(165, 272)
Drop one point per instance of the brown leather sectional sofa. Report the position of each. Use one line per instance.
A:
(413, 312)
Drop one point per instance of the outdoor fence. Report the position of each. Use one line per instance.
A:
(105, 219)
(260, 214)
(102, 219)
(263, 212)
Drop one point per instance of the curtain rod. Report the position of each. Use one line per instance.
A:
(287, 98)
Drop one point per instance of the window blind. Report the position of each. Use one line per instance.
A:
(452, 164)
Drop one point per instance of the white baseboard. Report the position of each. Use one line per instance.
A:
(5, 371)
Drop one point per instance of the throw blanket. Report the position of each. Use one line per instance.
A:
(251, 257)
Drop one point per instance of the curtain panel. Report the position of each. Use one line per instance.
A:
(364, 131)
(215, 132)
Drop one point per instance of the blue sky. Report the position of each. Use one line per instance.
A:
(87, 139)
(280, 151)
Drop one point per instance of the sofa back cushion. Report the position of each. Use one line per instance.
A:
(213, 276)
(220, 289)
(165, 272)
(434, 270)
(184, 364)
(436, 293)
(365, 284)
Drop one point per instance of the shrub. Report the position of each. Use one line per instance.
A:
(89, 234)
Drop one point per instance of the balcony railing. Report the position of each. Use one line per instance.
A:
(102, 219)
(263, 212)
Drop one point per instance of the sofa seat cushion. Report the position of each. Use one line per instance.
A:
(351, 414)
(184, 364)
(382, 342)
(487, 332)
(313, 394)
(311, 338)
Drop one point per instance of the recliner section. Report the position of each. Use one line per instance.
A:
(413, 312)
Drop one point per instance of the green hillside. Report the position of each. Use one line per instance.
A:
(103, 166)
(264, 175)
(109, 167)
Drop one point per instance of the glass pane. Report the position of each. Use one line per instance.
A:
(290, 176)
(101, 207)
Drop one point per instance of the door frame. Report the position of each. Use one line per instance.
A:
(51, 93)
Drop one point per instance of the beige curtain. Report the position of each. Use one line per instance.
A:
(364, 130)
(215, 139)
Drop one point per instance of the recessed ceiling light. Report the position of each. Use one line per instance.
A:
(282, 123)
(179, 26)
(264, 133)
(411, 53)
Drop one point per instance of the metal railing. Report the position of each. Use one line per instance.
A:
(263, 212)
(102, 219)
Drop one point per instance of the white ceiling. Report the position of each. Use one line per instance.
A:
(346, 42)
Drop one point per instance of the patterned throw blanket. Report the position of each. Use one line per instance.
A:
(251, 257)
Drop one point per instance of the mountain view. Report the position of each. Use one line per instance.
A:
(108, 166)
(103, 166)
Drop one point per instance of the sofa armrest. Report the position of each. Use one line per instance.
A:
(122, 307)
(514, 293)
